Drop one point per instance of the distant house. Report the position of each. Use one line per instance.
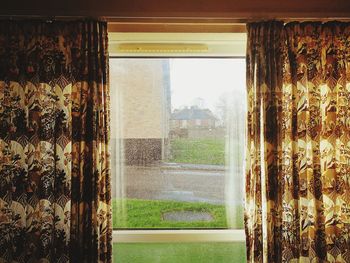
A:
(193, 117)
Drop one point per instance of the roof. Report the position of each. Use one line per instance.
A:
(193, 113)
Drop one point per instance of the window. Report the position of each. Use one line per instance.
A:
(177, 136)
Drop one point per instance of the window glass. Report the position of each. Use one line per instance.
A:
(177, 138)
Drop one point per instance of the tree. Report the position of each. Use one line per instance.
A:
(221, 108)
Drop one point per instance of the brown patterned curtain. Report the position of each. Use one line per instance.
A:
(54, 132)
(298, 155)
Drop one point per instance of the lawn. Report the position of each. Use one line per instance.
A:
(179, 253)
(197, 151)
(148, 214)
(135, 213)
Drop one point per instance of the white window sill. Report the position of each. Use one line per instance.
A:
(156, 236)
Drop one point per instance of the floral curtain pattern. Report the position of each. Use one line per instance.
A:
(54, 133)
(298, 155)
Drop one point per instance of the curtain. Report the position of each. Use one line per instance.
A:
(298, 142)
(54, 131)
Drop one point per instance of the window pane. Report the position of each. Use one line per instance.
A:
(177, 136)
(180, 252)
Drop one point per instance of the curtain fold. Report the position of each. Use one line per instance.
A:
(298, 155)
(54, 133)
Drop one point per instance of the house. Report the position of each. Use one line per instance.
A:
(144, 91)
(193, 117)
(195, 123)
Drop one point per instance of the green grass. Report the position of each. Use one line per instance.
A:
(179, 253)
(148, 214)
(198, 151)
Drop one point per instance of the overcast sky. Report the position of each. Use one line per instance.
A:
(207, 79)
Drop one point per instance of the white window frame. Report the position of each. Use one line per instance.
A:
(177, 45)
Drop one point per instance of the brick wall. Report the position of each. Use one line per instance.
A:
(139, 97)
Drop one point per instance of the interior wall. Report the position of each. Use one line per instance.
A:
(180, 9)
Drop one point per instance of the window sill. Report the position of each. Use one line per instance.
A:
(155, 236)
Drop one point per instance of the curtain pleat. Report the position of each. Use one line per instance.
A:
(55, 203)
(298, 161)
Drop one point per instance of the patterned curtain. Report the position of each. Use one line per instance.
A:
(298, 155)
(54, 133)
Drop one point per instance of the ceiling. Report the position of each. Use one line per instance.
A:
(195, 10)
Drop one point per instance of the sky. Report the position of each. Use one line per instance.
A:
(205, 78)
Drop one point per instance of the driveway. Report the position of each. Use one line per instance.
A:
(180, 182)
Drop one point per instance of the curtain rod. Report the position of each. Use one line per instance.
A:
(168, 19)
(48, 18)
(240, 21)
(233, 20)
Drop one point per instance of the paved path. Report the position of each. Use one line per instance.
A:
(175, 183)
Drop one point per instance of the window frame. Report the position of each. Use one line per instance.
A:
(217, 48)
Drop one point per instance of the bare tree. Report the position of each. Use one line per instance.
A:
(221, 108)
